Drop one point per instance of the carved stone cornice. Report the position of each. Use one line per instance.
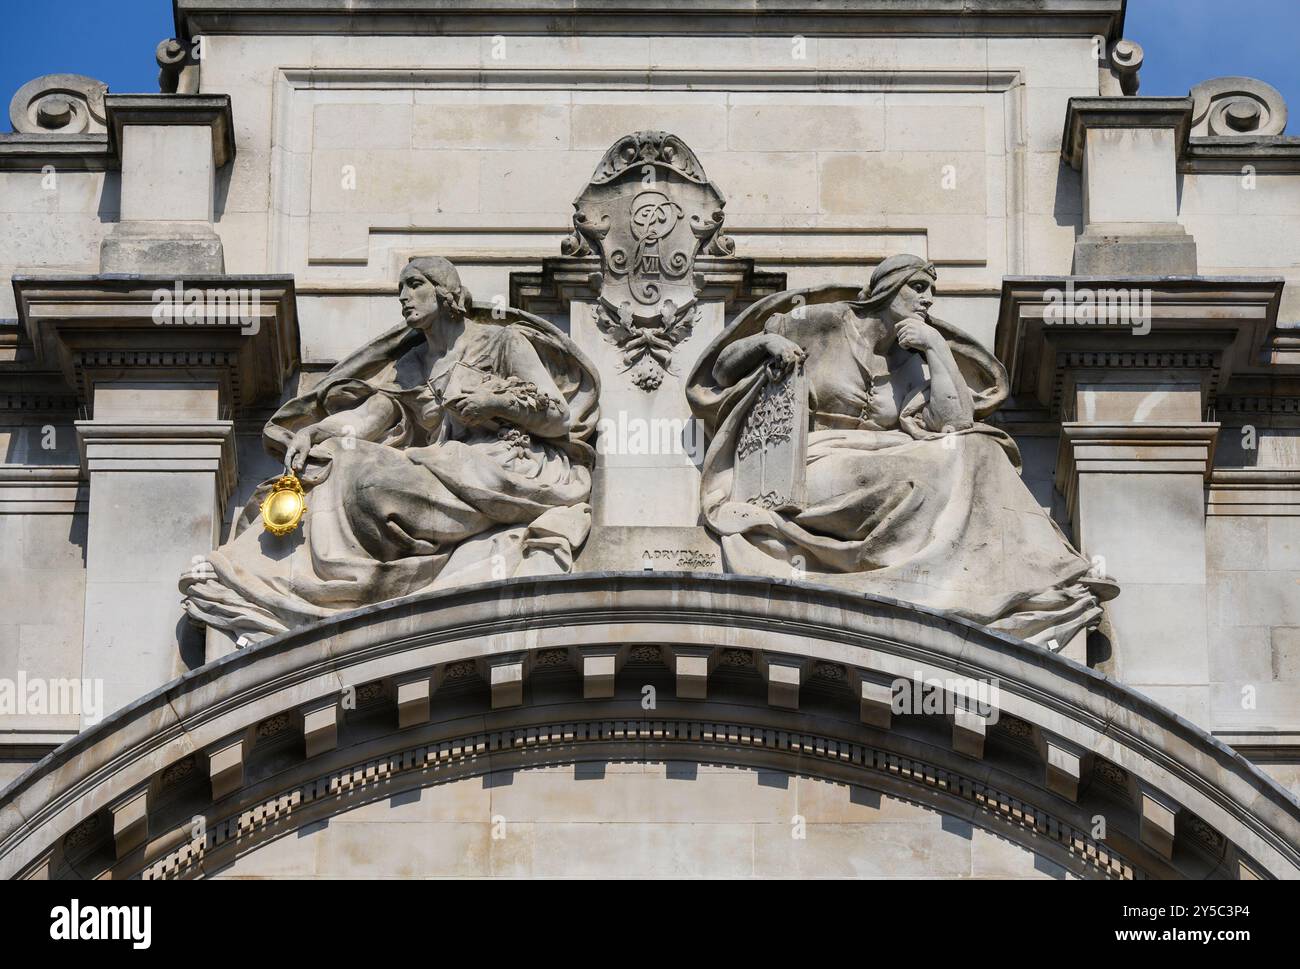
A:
(566, 629)
(75, 153)
(1234, 403)
(861, 18)
(210, 110)
(1223, 125)
(28, 392)
(1266, 154)
(1215, 327)
(103, 327)
(1122, 112)
(458, 756)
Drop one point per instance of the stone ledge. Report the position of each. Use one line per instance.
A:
(1122, 112)
(1269, 154)
(103, 326)
(1070, 18)
(86, 152)
(55, 489)
(1272, 492)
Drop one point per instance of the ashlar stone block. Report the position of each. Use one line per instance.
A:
(320, 728)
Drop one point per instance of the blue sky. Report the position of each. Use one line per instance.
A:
(1186, 41)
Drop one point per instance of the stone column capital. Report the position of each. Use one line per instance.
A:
(1132, 447)
(160, 446)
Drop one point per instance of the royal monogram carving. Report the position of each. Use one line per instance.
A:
(648, 212)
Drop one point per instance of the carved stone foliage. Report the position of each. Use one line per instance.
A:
(69, 104)
(769, 465)
(1236, 107)
(648, 212)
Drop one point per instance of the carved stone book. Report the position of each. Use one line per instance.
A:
(464, 380)
(771, 454)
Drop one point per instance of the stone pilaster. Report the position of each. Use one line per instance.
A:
(1133, 381)
(1136, 494)
(157, 493)
(157, 449)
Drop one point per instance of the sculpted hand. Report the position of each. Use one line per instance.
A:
(295, 456)
(784, 354)
(916, 334)
(475, 408)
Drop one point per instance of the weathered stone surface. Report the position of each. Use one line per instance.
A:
(648, 211)
(650, 724)
(873, 454)
(451, 450)
(694, 747)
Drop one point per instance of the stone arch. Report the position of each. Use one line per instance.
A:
(532, 673)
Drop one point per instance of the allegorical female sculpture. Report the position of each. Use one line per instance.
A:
(451, 449)
(897, 487)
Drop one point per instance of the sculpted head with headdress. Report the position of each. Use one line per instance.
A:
(901, 287)
(430, 289)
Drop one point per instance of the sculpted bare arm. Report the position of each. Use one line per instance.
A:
(367, 422)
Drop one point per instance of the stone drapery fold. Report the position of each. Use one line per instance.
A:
(427, 503)
(894, 506)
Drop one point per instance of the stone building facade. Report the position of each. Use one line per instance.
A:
(185, 264)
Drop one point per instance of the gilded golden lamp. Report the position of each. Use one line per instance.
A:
(285, 505)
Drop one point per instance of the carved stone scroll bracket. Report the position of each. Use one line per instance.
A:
(1237, 107)
(178, 67)
(59, 104)
(1125, 62)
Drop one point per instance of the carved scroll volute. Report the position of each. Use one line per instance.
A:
(59, 104)
(1237, 107)
(647, 213)
(1126, 60)
(178, 67)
